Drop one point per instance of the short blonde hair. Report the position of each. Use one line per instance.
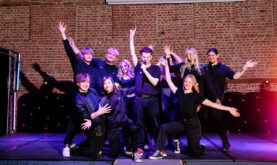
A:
(113, 51)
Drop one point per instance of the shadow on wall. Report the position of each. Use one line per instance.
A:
(42, 110)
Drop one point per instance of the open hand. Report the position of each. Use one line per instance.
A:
(250, 63)
(86, 124)
(105, 109)
(62, 27)
(234, 112)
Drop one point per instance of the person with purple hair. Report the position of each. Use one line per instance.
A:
(78, 66)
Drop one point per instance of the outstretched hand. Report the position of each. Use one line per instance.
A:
(167, 50)
(234, 112)
(105, 109)
(132, 32)
(86, 124)
(62, 27)
(250, 63)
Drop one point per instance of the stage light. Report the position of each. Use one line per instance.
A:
(265, 86)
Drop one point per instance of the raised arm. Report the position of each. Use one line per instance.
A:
(168, 77)
(177, 58)
(231, 110)
(248, 64)
(132, 47)
(168, 51)
(75, 49)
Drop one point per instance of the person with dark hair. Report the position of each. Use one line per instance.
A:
(78, 66)
(86, 110)
(188, 100)
(218, 73)
(117, 121)
(147, 103)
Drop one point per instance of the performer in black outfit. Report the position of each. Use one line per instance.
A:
(86, 111)
(188, 122)
(192, 66)
(147, 92)
(117, 120)
(78, 66)
(126, 80)
(218, 73)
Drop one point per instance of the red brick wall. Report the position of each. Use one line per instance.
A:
(240, 31)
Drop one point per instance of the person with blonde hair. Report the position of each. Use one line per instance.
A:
(188, 100)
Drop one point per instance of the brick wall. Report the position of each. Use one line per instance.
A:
(240, 31)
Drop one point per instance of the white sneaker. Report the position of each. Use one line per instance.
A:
(66, 152)
(137, 158)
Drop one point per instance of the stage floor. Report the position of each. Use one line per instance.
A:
(35, 148)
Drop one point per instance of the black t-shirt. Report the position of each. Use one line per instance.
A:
(143, 85)
(187, 103)
(80, 66)
(105, 69)
(218, 74)
(127, 83)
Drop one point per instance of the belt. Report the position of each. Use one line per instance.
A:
(145, 96)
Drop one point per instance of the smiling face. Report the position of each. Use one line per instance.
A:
(87, 57)
(124, 67)
(213, 57)
(112, 55)
(108, 85)
(188, 83)
(83, 86)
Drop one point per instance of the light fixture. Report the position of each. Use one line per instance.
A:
(126, 2)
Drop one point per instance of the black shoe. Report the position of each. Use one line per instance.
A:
(202, 149)
(226, 147)
(157, 155)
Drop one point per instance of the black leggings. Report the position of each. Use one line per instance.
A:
(190, 127)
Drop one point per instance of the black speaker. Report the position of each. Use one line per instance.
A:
(8, 85)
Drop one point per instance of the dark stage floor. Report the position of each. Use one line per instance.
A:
(46, 148)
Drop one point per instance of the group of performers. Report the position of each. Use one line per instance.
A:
(111, 101)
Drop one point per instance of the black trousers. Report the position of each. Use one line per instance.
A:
(216, 116)
(130, 108)
(148, 114)
(71, 130)
(130, 132)
(190, 127)
(113, 136)
(93, 144)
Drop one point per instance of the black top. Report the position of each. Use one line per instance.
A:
(80, 66)
(105, 69)
(187, 103)
(203, 79)
(85, 104)
(127, 86)
(127, 83)
(218, 74)
(117, 117)
(143, 85)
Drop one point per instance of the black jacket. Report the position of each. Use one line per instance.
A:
(117, 117)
